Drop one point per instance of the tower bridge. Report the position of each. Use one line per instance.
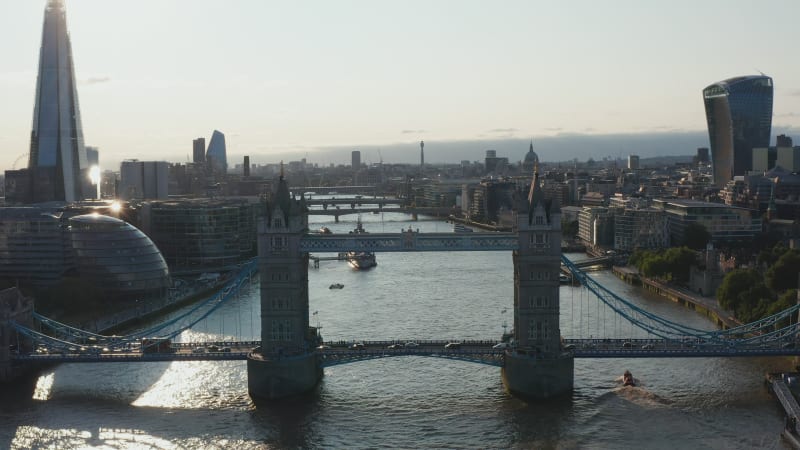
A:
(289, 358)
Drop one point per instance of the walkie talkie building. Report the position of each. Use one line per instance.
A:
(739, 115)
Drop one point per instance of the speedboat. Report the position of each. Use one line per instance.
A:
(336, 286)
(325, 230)
(627, 379)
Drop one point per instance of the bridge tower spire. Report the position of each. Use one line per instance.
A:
(286, 363)
(537, 366)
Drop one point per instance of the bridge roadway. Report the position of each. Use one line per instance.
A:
(592, 262)
(474, 351)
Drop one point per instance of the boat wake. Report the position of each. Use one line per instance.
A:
(641, 396)
(637, 393)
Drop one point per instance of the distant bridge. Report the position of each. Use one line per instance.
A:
(432, 211)
(353, 202)
(328, 190)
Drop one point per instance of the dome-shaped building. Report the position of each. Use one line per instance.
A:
(531, 158)
(117, 257)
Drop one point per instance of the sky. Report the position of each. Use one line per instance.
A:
(315, 79)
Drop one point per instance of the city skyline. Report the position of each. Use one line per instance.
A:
(286, 80)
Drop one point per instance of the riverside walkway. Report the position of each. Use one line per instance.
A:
(707, 306)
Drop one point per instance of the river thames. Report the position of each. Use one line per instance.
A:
(405, 402)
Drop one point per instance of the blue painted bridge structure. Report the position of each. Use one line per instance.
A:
(50, 341)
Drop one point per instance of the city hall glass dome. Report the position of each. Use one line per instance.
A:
(117, 257)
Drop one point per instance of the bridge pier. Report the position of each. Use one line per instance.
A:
(538, 379)
(284, 377)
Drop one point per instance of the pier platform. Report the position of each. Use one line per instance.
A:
(777, 384)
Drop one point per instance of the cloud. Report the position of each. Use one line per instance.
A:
(789, 114)
(413, 131)
(502, 130)
(553, 129)
(795, 93)
(94, 80)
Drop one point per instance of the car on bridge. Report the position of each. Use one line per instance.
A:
(452, 345)
(411, 345)
(357, 346)
(501, 346)
(648, 347)
(395, 346)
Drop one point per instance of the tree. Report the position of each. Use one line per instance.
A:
(735, 283)
(654, 267)
(696, 236)
(679, 261)
(787, 300)
(783, 274)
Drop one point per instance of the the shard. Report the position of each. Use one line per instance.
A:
(57, 164)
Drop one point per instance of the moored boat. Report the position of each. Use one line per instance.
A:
(361, 260)
(336, 286)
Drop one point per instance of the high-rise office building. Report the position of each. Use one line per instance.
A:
(92, 156)
(702, 154)
(217, 155)
(57, 165)
(633, 162)
(421, 157)
(739, 116)
(355, 159)
(199, 150)
(783, 141)
(143, 180)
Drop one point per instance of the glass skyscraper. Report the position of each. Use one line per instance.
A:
(217, 155)
(739, 115)
(57, 161)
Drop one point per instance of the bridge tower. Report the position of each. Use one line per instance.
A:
(13, 307)
(536, 367)
(286, 363)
